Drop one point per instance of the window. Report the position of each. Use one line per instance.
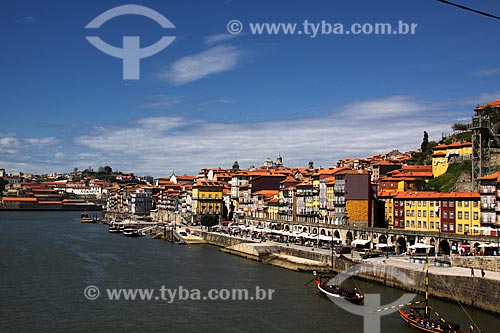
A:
(476, 204)
(466, 204)
(407, 212)
(419, 213)
(452, 227)
(452, 215)
(467, 228)
(437, 225)
(419, 203)
(476, 216)
(431, 203)
(432, 225)
(425, 224)
(460, 204)
(420, 224)
(466, 215)
(459, 215)
(445, 214)
(424, 203)
(396, 212)
(431, 213)
(459, 228)
(413, 213)
(445, 203)
(425, 213)
(452, 204)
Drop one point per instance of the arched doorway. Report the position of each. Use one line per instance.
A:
(382, 239)
(444, 247)
(401, 245)
(315, 231)
(287, 227)
(322, 232)
(348, 237)
(304, 229)
(336, 234)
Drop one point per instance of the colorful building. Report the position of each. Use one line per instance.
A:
(443, 155)
(207, 197)
(455, 212)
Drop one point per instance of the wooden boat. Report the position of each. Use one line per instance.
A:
(420, 316)
(323, 283)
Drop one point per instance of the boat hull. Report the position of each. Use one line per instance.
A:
(424, 325)
(338, 292)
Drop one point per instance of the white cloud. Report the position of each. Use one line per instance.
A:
(43, 141)
(160, 144)
(26, 20)
(9, 142)
(219, 38)
(383, 108)
(487, 72)
(194, 67)
(158, 102)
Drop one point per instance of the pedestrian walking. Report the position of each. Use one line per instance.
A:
(471, 271)
(482, 272)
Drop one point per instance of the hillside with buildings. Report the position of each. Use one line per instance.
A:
(443, 194)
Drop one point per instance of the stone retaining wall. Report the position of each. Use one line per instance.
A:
(486, 263)
(223, 239)
(475, 291)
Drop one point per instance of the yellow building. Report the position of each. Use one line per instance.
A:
(207, 197)
(445, 154)
(455, 212)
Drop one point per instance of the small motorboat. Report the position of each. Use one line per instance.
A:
(131, 232)
(85, 218)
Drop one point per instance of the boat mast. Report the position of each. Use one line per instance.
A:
(427, 288)
(331, 246)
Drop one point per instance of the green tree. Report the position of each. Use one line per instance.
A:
(425, 142)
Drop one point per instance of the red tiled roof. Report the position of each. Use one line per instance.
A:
(493, 176)
(494, 104)
(436, 195)
(19, 199)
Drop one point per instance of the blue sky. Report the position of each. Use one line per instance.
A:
(211, 98)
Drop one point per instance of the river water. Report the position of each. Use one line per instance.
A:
(49, 258)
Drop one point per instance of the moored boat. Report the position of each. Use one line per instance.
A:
(131, 232)
(85, 218)
(424, 318)
(115, 228)
(324, 285)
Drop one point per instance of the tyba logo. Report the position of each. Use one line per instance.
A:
(131, 52)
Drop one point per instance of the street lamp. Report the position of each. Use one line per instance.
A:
(387, 244)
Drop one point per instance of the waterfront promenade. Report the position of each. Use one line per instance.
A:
(464, 284)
